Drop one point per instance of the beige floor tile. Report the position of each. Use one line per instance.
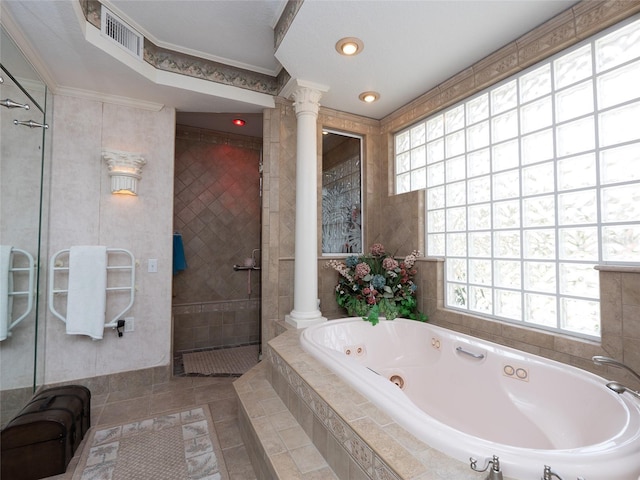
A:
(228, 433)
(166, 401)
(224, 409)
(125, 411)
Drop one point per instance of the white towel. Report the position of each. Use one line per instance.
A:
(5, 281)
(87, 296)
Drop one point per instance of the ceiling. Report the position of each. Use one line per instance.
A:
(409, 48)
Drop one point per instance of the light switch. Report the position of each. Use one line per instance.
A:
(153, 265)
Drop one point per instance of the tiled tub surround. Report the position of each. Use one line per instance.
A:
(357, 440)
(471, 398)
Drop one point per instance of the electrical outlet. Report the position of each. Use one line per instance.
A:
(152, 265)
(128, 324)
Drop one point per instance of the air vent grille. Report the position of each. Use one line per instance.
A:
(114, 28)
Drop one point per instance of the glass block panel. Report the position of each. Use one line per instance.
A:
(454, 144)
(582, 316)
(436, 245)
(457, 269)
(538, 179)
(536, 115)
(618, 47)
(619, 85)
(620, 125)
(535, 84)
(403, 162)
(573, 67)
(480, 272)
(504, 98)
(508, 304)
(575, 137)
(478, 136)
(435, 197)
(479, 163)
(418, 135)
(621, 243)
(456, 219)
(435, 127)
(577, 172)
(537, 147)
(479, 189)
(539, 211)
(540, 276)
(418, 157)
(457, 295)
(477, 109)
(504, 127)
(480, 299)
(435, 174)
(540, 309)
(505, 155)
(480, 244)
(574, 102)
(539, 244)
(507, 273)
(506, 214)
(577, 208)
(454, 119)
(621, 204)
(506, 185)
(403, 142)
(479, 217)
(506, 244)
(403, 183)
(456, 168)
(419, 179)
(435, 221)
(457, 244)
(620, 164)
(579, 280)
(580, 243)
(435, 151)
(456, 194)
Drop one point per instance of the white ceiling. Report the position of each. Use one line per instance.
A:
(410, 47)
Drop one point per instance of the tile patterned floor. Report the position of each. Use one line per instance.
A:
(179, 393)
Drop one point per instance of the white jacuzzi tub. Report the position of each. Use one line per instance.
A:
(471, 398)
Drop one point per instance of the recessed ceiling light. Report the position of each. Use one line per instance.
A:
(238, 122)
(349, 46)
(369, 97)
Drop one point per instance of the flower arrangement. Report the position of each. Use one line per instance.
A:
(376, 284)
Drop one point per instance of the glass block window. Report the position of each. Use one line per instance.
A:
(532, 183)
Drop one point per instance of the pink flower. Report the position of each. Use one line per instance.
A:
(362, 270)
(389, 264)
(377, 249)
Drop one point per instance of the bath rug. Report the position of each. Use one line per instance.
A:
(181, 445)
(221, 362)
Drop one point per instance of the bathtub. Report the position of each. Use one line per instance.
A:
(471, 398)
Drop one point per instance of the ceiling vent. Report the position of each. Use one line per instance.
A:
(114, 28)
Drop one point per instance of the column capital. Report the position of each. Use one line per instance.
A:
(306, 100)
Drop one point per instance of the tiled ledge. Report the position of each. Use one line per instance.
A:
(358, 440)
(277, 445)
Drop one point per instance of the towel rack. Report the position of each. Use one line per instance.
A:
(57, 266)
(29, 292)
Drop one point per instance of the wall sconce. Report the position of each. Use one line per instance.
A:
(125, 169)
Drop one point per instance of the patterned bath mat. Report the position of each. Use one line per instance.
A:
(223, 362)
(178, 446)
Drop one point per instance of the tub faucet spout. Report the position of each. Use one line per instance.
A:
(550, 475)
(494, 474)
(600, 360)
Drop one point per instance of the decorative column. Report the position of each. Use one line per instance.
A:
(306, 311)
